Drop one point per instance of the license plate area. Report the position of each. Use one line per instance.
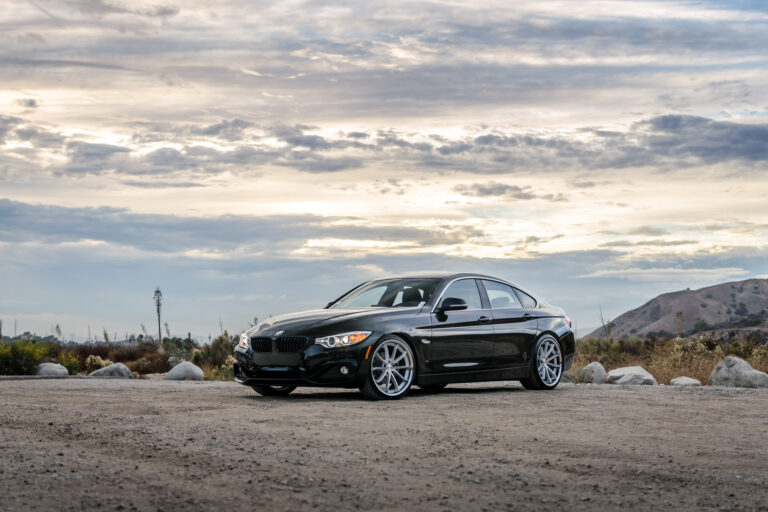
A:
(277, 359)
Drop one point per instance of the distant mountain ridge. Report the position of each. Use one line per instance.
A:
(738, 304)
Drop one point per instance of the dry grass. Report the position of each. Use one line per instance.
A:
(213, 372)
(667, 359)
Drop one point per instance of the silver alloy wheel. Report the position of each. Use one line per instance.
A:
(549, 362)
(392, 367)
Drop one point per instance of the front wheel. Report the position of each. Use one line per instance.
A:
(546, 365)
(273, 390)
(392, 370)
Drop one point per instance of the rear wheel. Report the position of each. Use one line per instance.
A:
(546, 365)
(273, 390)
(392, 370)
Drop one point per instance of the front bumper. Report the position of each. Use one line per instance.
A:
(313, 366)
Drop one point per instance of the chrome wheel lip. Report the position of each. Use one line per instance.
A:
(549, 362)
(392, 367)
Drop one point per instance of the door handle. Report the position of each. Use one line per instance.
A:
(483, 319)
(529, 316)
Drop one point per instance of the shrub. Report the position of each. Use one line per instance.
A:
(150, 362)
(69, 360)
(21, 357)
(215, 354)
(94, 363)
(223, 372)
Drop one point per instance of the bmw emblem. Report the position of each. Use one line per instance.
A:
(278, 334)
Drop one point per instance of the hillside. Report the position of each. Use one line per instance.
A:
(740, 304)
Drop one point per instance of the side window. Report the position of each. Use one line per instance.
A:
(527, 300)
(465, 289)
(502, 296)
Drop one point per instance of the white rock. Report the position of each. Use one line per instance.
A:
(113, 370)
(593, 373)
(51, 370)
(735, 372)
(631, 375)
(185, 371)
(685, 381)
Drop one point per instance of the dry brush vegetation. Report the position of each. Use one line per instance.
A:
(666, 359)
(21, 357)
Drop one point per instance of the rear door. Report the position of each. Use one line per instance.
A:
(514, 326)
(462, 340)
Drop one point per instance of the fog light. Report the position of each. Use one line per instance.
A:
(344, 370)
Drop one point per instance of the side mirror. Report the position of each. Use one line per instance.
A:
(452, 304)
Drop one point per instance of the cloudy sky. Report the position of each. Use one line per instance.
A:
(260, 158)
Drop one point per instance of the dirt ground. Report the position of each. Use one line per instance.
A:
(154, 445)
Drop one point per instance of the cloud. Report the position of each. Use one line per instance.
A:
(648, 231)
(706, 141)
(7, 123)
(231, 130)
(186, 151)
(106, 7)
(161, 184)
(92, 158)
(29, 103)
(275, 234)
(503, 190)
(648, 243)
(667, 274)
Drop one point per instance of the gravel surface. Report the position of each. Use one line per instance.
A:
(161, 445)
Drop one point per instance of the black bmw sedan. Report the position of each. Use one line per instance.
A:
(429, 330)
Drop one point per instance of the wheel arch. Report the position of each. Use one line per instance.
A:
(416, 348)
(567, 345)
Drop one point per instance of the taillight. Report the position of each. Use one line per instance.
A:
(568, 320)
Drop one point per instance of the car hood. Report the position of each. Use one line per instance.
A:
(316, 318)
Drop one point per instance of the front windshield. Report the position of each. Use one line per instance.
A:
(389, 293)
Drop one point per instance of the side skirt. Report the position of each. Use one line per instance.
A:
(516, 372)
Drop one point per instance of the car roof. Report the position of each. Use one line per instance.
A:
(455, 275)
(442, 275)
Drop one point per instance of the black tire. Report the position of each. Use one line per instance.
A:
(378, 366)
(273, 390)
(535, 381)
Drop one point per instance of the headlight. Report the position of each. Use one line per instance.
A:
(244, 341)
(343, 340)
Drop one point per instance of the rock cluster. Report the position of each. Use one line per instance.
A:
(631, 375)
(51, 370)
(735, 372)
(593, 373)
(685, 382)
(185, 371)
(113, 370)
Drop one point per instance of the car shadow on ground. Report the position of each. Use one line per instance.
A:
(309, 394)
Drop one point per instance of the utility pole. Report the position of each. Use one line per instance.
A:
(158, 304)
(679, 317)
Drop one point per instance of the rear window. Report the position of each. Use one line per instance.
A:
(525, 299)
